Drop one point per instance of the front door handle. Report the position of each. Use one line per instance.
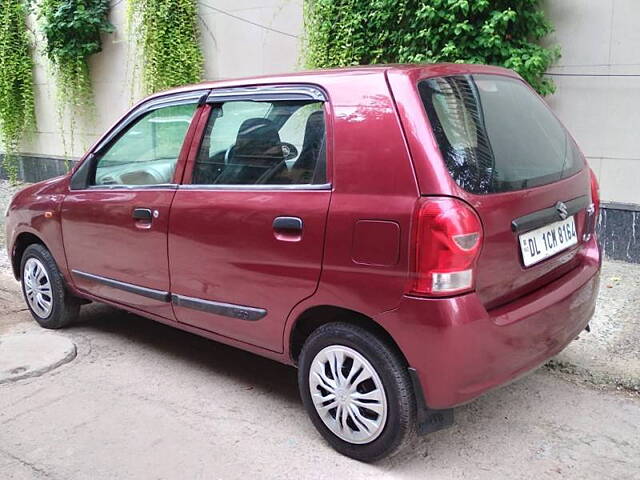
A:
(289, 224)
(144, 214)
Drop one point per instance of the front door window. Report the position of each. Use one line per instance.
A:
(147, 152)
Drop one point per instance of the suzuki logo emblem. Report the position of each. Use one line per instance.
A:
(561, 208)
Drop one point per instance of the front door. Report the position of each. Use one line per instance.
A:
(247, 228)
(115, 225)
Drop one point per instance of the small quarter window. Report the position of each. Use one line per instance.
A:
(147, 152)
(263, 143)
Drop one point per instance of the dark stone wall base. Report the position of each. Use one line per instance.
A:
(32, 168)
(618, 225)
(619, 232)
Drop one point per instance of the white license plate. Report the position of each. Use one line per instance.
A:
(546, 241)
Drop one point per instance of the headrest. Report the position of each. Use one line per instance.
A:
(257, 139)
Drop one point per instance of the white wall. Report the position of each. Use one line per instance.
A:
(232, 48)
(603, 112)
(597, 37)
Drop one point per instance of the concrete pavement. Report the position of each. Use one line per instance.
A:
(33, 354)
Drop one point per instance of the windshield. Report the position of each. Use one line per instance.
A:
(496, 135)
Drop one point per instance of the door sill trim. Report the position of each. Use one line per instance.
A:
(239, 312)
(158, 295)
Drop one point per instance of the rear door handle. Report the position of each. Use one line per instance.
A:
(142, 214)
(288, 224)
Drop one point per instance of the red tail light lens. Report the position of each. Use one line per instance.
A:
(595, 193)
(448, 238)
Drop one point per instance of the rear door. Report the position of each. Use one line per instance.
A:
(247, 227)
(518, 167)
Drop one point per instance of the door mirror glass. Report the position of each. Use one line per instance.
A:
(148, 150)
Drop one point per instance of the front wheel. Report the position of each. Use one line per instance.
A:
(357, 391)
(43, 289)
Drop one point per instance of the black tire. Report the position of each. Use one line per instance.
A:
(65, 307)
(399, 427)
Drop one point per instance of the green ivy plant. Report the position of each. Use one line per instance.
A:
(17, 113)
(166, 37)
(496, 32)
(72, 32)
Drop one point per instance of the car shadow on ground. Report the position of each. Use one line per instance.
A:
(219, 359)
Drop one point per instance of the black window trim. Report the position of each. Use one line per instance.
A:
(267, 93)
(82, 175)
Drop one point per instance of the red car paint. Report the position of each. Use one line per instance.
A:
(355, 253)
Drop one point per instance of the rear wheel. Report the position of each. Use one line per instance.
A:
(357, 391)
(43, 289)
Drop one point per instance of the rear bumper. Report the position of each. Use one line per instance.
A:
(460, 350)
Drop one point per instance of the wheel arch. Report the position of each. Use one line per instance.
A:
(314, 317)
(22, 241)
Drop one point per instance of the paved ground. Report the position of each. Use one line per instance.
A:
(142, 400)
(610, 354)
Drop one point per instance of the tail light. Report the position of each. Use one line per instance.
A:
(448, 238)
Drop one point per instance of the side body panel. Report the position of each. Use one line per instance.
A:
(367, 250)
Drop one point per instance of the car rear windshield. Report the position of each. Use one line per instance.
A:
(496, 135)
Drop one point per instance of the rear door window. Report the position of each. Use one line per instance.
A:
(263, 143)
(496, 135)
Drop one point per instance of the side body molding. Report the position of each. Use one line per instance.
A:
(239, 312)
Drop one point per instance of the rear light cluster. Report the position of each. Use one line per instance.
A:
(448, 238)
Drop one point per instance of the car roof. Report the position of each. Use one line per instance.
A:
(316, 76)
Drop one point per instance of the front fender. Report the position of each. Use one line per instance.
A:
(35, 212)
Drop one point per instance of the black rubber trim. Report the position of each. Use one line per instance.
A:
(126, 287)
(239, 312)
(428, 420)
(548, 215)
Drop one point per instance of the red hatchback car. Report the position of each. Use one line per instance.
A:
(408, 236)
